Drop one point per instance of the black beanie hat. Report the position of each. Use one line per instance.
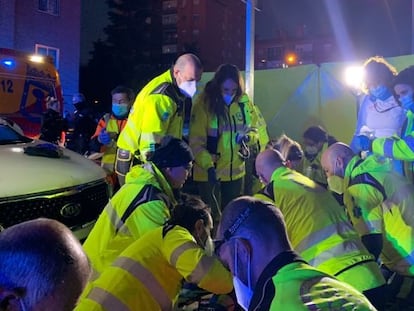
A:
(172, 152)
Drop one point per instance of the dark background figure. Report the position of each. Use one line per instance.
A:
(83, 126)
(53, 123)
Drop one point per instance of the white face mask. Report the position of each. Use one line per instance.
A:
(209, 246)
(336, 184)
(188, 88)
(244, 293)
(311, 150)
(228, 99)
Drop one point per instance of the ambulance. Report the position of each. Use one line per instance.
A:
(26, 80)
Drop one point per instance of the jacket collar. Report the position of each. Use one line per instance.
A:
(264, 291)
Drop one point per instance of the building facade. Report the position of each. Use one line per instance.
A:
(47, 27)
(213, 29)
(286, 50)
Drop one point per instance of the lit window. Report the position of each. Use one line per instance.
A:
(169, 19)
(169, 48)
(49, 6)
(171, 4)
(52, 52)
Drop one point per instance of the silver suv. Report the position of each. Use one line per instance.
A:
(39, 179)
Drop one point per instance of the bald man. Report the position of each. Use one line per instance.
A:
(161, 108)
(267, 273)
(318, 226)
(379, 202)
(42, 267)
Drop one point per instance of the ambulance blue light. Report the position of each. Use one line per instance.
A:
(8, 63)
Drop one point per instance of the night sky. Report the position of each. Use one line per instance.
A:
(369, 27)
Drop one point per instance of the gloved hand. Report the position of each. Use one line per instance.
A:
(242, 138)
(247, 135)
(212, 176)
(363, 143)
(104, 138)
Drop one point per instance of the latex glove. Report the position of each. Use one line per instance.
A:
(363, 143)
(248, 135)
(104, 138)
(212, 176)
(241, 137)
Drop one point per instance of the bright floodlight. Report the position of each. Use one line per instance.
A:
(37, 58)
(354, 76)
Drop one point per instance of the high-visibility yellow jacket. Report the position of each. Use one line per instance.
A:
(290, 284)
(259, 123)
(142, 204)
(400, 148)
(319, 229)
(158, 110)
(313, 168)
(113, 126)
(380, 201)
(214, 142)
(148, 275)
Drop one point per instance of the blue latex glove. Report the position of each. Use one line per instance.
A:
(363, 143)
(104, 138)
(212, 176)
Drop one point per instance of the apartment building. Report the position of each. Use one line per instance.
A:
(47, 27)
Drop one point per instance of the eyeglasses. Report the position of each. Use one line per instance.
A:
(188, 167)
(231, 230)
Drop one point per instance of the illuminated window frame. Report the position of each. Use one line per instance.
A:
(48, 51)
(51, 7)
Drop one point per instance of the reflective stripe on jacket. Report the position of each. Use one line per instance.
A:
(113, 126)
(158, 110)
(318, 226)
(148, 275)
(142, 204)
(400, 148)
(259, 122)
(382, 202)
(214, 142)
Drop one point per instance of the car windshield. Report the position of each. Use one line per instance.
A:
(9, 136)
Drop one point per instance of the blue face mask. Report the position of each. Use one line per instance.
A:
(381, 92)
(228, 99)
(407, 102)
(119, 110)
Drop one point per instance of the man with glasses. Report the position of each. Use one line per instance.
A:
(143, 203)
(267, 273)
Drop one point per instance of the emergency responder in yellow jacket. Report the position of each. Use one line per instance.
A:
(379, 202)
(315, 140)
(148, 275)
(318, 226)
(161, 108)
(267, 274)
(143, 203)
(398, 147)
(221, 132)
(108, 129)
